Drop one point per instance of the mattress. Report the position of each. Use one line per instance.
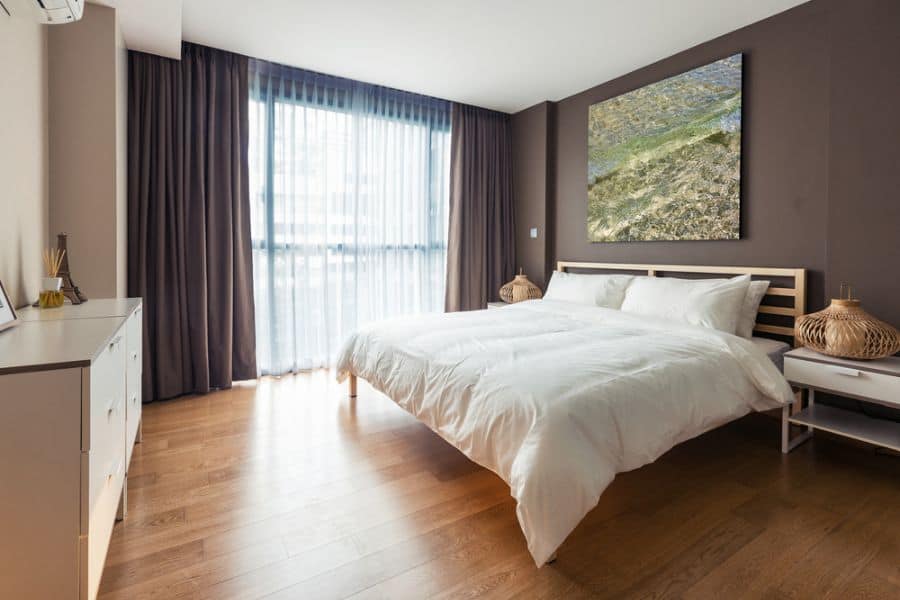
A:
(774, 349)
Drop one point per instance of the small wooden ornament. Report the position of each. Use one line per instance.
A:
(845, 330)
(519, 289)
(69, 288)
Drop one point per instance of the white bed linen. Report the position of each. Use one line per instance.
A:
(556, 398)
(713, 303)
(774, 349)
(594, 290)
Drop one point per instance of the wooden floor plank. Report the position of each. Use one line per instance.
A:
(786, 536)
(451, 565)
(285, 488)
(191, 581)
(854, 540)
(714, 547)
(373, 568)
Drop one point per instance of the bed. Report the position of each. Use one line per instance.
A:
(557, 398)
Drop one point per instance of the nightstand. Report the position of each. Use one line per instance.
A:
(497, 304)
(875, 381)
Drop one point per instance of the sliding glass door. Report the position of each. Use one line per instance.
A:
(349, 193)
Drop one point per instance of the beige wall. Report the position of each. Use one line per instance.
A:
(23, 156)
(87, 144)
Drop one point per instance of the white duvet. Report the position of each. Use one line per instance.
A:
(556, 398)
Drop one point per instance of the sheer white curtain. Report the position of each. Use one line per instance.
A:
(349, 195)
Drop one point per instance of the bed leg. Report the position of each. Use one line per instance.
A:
(352, 385)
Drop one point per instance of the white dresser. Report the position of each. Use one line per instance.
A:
(70, 413)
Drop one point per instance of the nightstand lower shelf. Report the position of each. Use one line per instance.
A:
(850, 424)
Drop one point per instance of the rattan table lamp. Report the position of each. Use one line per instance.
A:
(845, 330)
(519, 289)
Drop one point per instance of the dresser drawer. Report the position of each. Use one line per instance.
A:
(134, 348)
(134, 369)
(132, 420)
(843, 380)
(105, 465)
(102, 517)
(107, 418)
(106, 392)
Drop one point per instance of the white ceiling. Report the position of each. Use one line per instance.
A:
(152, 26)
(501, 54)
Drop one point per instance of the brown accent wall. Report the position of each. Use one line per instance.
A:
(820, 168)
(863, 237)
(532, 180)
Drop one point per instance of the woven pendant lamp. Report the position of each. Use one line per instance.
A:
(519, 289)
(845, 330)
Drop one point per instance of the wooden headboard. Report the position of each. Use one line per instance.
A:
(785, 300)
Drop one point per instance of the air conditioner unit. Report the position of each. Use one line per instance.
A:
(50, 12)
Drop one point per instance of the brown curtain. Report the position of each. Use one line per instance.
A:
(481, 240)
(189, 252)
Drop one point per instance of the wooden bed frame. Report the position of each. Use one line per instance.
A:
(794, 278)
(790, 289)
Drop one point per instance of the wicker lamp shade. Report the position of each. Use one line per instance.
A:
(845, 330)
(519, 289)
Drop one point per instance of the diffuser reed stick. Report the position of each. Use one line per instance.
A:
(52, 260)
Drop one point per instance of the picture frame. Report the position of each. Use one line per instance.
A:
(8, 316)
(664, 159)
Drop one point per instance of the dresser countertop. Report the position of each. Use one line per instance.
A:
(62, 338)
(60, 344)
(92, 309)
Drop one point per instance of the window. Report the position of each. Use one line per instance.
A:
(349, 187)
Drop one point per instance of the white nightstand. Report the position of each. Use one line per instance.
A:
(876, 381)
(497, 304)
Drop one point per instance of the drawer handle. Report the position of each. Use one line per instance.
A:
(134, 398)
(134, 356)
(115, 342)
(117, 471)
(843, 371)
(113, 406)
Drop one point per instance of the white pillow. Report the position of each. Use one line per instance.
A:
(712, 303)
(754, 297)
(596, 290)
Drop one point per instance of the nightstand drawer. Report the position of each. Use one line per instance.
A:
(840, 379)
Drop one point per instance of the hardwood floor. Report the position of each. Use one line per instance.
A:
(288, 489)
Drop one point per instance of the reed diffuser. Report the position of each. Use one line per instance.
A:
(51, 296)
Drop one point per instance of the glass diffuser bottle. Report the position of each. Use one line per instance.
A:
(51, 296)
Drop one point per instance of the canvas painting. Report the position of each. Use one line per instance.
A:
(664, 161)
